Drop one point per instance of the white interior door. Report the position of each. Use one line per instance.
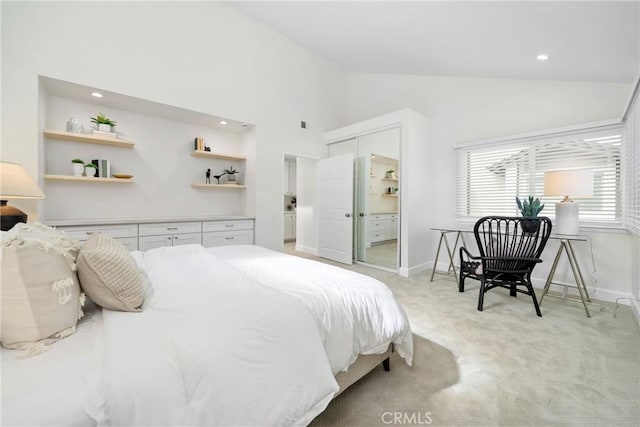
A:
(335, 202)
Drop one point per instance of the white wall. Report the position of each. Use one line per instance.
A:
(201, 56)
(307, 206)
(466, 109)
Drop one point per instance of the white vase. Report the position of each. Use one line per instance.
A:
(104, 128)
(78, 169)
(74, 125)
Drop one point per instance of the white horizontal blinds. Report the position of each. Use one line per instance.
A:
(631, 165)
(596, 151)
(490, 177)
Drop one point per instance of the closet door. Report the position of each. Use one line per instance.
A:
(335, 201)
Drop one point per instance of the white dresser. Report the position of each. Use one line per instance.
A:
(144, 235)
(382, 227)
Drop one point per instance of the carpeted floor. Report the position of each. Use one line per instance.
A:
(502, 366)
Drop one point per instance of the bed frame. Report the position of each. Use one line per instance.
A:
(361, 367)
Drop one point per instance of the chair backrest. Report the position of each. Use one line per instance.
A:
(508, 237)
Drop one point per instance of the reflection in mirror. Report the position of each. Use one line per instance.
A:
(378, 229)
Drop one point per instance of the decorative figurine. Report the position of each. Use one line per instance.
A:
(217, 177)
(208, 180)
(207, 148)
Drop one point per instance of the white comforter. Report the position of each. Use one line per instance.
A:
(211, 347)
(355, 314)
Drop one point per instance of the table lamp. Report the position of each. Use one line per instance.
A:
(575, 183)
(15, 183)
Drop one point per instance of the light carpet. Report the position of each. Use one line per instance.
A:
(502, 366)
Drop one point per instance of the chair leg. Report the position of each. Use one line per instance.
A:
(535, 300)
(512, 290)
(461, 283)
(481, 295)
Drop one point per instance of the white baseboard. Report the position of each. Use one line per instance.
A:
(307, 250)
(406, 272)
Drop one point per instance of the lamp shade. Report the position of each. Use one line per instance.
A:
(573, 182)
(16, 183)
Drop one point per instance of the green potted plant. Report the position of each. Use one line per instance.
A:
(231, 173)
(390, 173)
(91, 169)
(529, 208)
(78, 167)
(104, 123)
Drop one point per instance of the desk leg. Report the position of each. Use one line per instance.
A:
(435, 263)
(552, 272)
(577, 275)
(451, 264)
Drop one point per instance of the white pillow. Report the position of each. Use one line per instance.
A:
(40, 296)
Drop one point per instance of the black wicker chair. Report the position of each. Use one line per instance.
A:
(510, 248)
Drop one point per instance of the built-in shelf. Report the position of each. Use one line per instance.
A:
(390, 195)
(88, 179)
(226, 186)
(390, 179)
(219, 156)
(88, 138)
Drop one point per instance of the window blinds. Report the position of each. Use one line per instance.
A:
(491, 176)
(632, 167)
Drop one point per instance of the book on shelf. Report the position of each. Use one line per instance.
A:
(103, 168)
(198, 144)
(105, 134)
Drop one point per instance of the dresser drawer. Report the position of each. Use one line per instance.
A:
(224, 238)
(241, 224)
(376, 236)
(170, 228)
(116, 231)
(376, 225)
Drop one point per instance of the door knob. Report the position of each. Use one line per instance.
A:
(348, 215)
(361, 214)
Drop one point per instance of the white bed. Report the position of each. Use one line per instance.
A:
(227, 336)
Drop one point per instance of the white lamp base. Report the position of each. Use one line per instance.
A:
(567, 219)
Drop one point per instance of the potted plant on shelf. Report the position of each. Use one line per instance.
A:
(231, 174)
(104, 123)
(78, 167)
(390, 174)
(529, 209)
(91, 169)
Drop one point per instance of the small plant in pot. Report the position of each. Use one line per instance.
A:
(90, 169)
(529, 208)
(78, 167)
(104, 123)
(390, 173)
(231, 173)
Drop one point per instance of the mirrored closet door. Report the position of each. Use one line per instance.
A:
(376, 196)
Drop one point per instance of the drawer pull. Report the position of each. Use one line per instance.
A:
(89, 233)
(229, 225)
(169, 238)
(172, 228)
(229, 238)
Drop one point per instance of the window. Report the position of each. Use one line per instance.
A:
(632, 167)
(490, 176)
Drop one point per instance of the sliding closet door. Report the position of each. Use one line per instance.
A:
(335, 201)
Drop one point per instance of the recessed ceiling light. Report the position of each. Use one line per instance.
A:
(96, 94)
(542, 57)
(222, 122)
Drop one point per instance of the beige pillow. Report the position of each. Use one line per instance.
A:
(40, 295)
(109, 275)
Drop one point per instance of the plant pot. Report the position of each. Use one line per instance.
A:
(104, 128)
(231, 176)
(529, 225)
(78, 169)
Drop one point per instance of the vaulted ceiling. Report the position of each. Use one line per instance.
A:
(585, 40)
